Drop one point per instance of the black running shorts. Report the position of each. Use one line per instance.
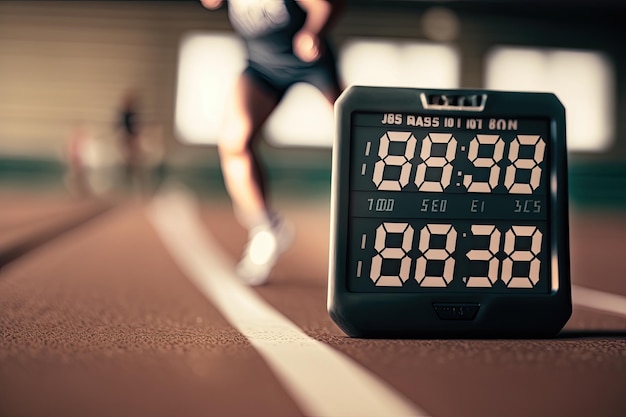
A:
(276, 80)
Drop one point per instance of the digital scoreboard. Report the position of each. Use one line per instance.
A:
(449, 214)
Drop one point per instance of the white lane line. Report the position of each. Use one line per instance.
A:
(322, 381)
(599, 300)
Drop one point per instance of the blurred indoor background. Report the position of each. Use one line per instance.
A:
(66, 68)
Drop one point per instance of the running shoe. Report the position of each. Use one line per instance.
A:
(265, 244)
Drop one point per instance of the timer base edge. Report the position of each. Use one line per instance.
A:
(419, 319)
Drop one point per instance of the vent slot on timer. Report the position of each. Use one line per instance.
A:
(473, 102)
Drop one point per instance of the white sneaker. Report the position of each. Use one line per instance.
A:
(265, 243)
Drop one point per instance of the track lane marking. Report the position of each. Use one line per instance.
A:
(599, 300)
(322, 381)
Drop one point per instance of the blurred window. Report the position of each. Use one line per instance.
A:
(208, 65)
(582, 80)
(396, 63)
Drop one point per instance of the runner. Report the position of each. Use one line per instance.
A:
(287, 42)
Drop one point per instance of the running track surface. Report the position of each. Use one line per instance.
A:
(99, 316)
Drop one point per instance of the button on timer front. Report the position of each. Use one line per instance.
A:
(450, 311)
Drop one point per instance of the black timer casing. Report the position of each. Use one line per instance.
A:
(473, 243)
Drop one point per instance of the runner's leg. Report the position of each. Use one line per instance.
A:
(248, 109)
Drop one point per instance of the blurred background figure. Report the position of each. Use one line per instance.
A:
(129, 127)
(76, 158)
(286, 43)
